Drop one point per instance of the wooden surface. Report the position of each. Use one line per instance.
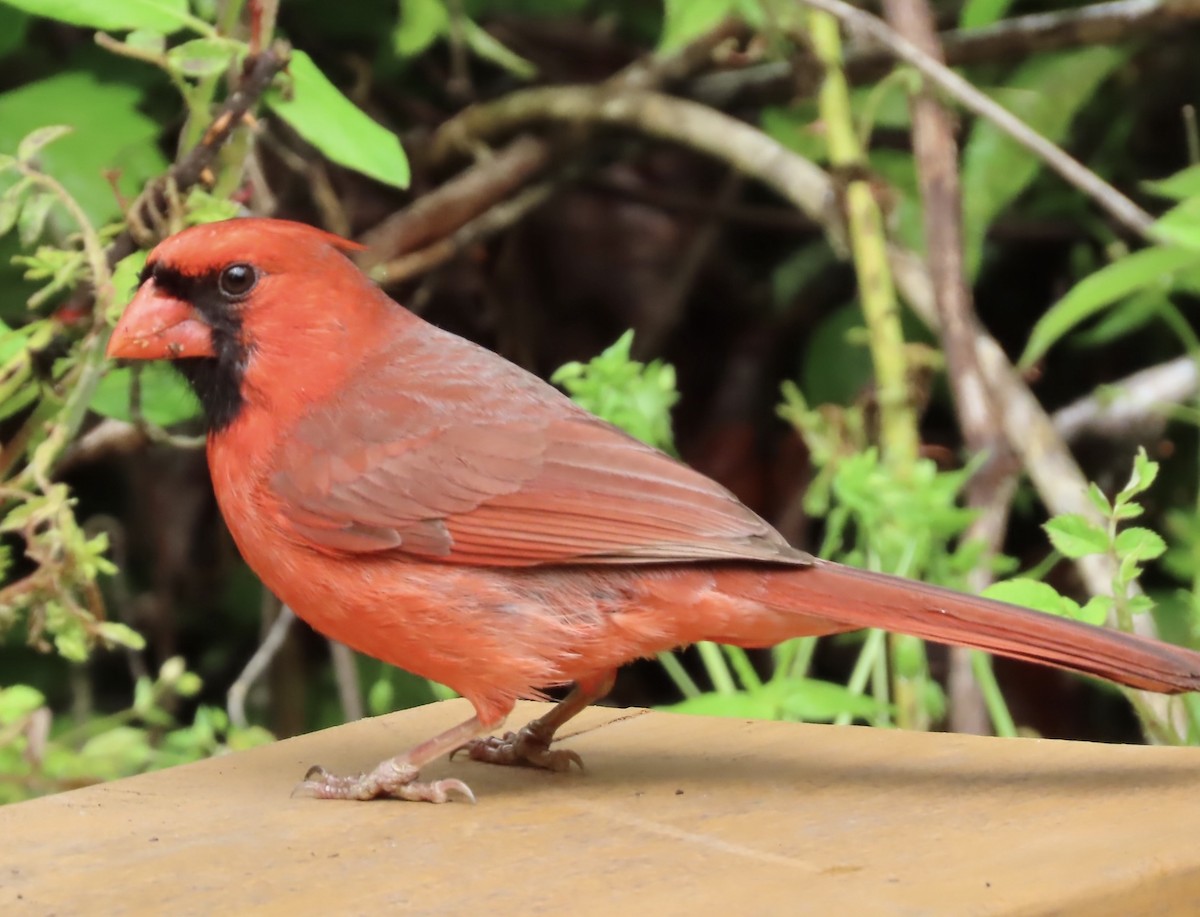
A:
(675, 815)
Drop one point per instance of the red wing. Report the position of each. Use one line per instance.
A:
(514, 495)
(488, 465)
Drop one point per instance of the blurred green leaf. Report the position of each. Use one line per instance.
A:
(324, 117)
(1179, 186)
(684, 20)
(167, 398)
(1135, 272)
(485, 46)
(833, 369)
(33, 142)
(112, 15)
(1033, 594)
(203, 57)
(109, 133)
(978, 13)
(121, 634)
(422, 22)
(13, 25)
(17, 701)
(1180, 225)
(996, 169)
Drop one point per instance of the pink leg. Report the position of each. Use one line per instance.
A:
(530, 745)
(398, 776)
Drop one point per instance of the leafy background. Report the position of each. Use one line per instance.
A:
(127, 620)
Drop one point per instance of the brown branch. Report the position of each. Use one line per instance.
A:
(1136, 407)
(497, 219)
(193, 167)
(1116, 204)
(1098, 24)
(497, 175)
(689, 124)
(1113, 23)
(936, 156)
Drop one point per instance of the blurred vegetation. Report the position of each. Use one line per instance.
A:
(126, 616)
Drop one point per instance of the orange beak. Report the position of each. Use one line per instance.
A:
(156, 326)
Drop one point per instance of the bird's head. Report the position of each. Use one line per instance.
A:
(247, 302)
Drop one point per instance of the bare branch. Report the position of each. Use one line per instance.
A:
(1135, 407)
(191, 169)
(1118, 206)
(496, 175)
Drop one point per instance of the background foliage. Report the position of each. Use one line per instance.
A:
(127, 622)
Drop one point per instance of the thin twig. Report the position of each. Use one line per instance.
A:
(345, 674)
(936, 157)
(1118, 22)
(271, 644)
(191, 169)
(1135, 407)
(444, 250)
(1116, 204)
(501, 173)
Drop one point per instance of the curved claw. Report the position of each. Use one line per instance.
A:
(524, 747)
(385, 780)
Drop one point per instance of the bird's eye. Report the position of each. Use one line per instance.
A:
(237, 280)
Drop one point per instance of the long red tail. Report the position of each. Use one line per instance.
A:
(862, 599)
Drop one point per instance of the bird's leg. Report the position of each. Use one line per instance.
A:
(530, 745)
(398, 776)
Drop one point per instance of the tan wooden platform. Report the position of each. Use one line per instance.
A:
(675, 815)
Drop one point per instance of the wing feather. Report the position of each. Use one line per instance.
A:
(485, 464)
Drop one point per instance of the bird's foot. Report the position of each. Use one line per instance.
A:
(393, 778)
(527, 747)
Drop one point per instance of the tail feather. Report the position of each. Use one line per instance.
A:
(862, 599)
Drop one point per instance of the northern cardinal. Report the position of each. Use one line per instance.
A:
(429, 503)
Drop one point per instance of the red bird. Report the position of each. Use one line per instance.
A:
(431, 504)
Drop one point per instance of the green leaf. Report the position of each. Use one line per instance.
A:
(110, 133)
(31, 221)
(71, 643)
(1140, 544)
(381, 697)
(1145, 473)
(121, 634)
(13, 26)
(203, 57)
(978, 13)
(1180, 225)
(167, 398)
(1096, 611)
(31, 143)
(1099, 500)
(1124, 318)
(125, 743)
(484, 45)
(1076, 536)
(1179, 186)
(1033, 594)
(19, 701)
(165, 16)
(741, 704)
(1113, 282)
(684, 20)
(422, 22)
(817, 701)
(996, 169)
(635, 396)
(10, 209)
(336, 126)
(144, 40)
